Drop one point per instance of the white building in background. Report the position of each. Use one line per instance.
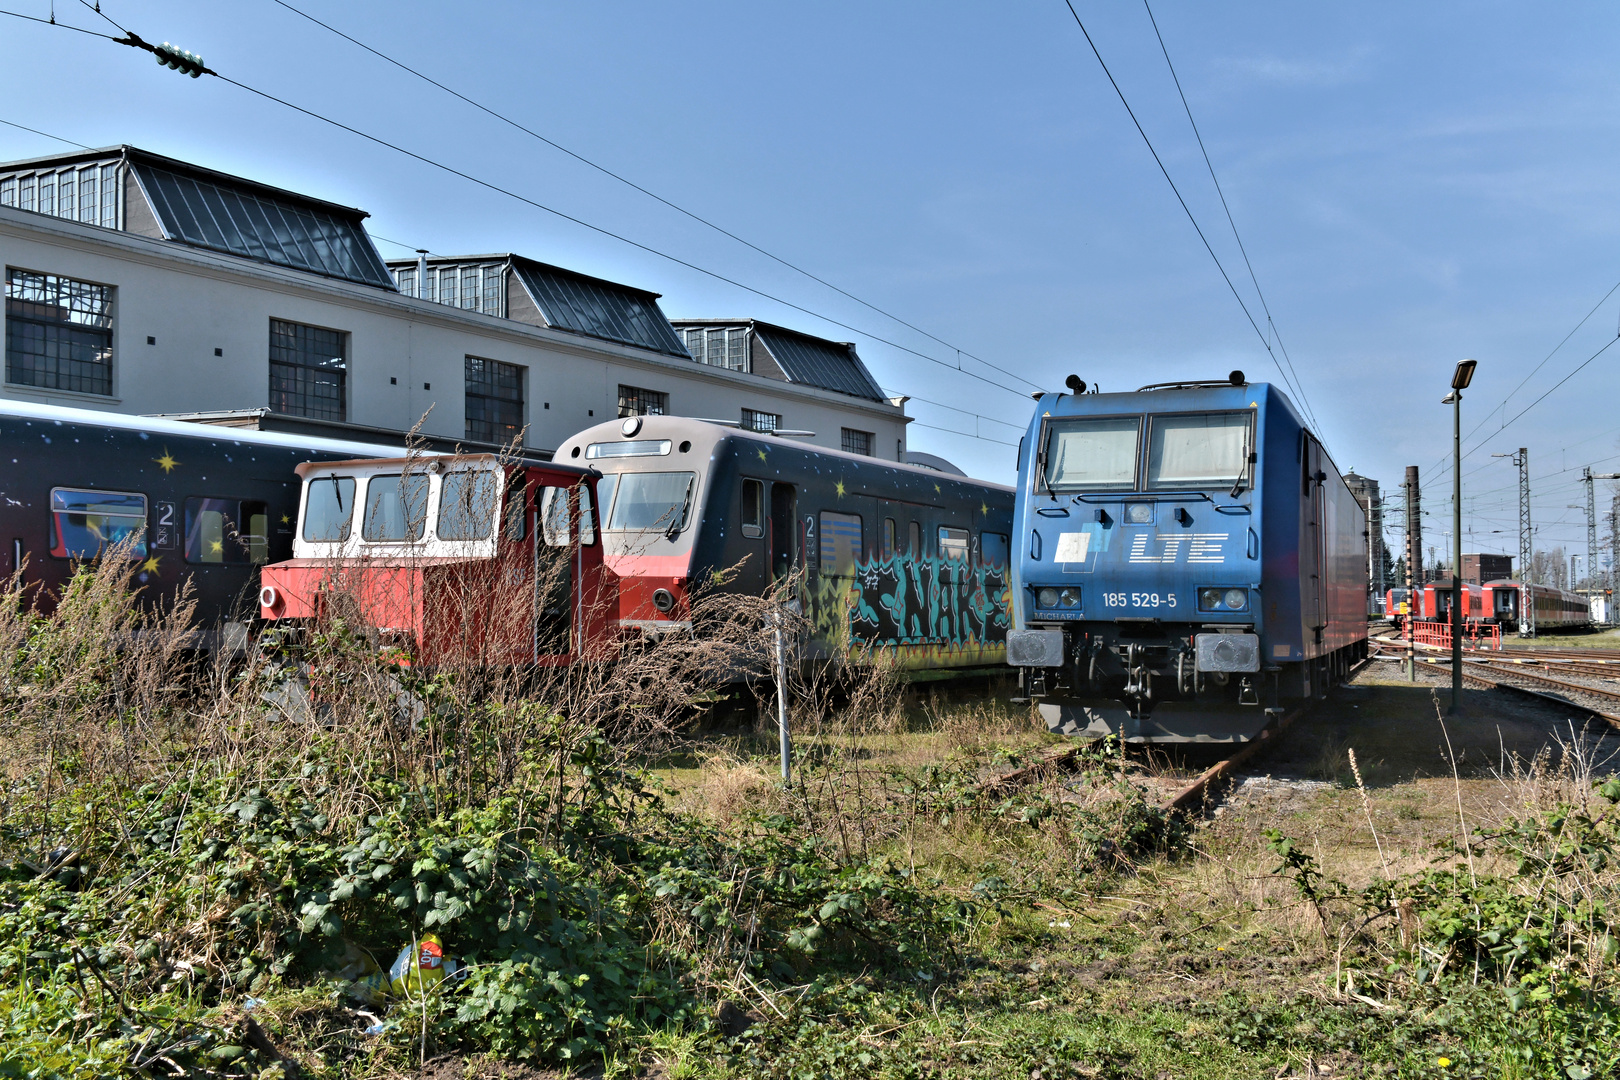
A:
(140, 284)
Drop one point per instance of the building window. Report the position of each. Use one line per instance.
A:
(308, 369)
(754, 420)
(494, 291)
(719, 346)
(58, 333)
(857, 442)
(634, 401)
(89, 194)
(494, 400)
(406, 282)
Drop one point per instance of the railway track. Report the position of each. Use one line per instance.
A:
(1511, 673)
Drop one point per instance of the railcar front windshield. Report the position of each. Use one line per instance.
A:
(1092, 455)
(649, 501)
(467, 505)
(396, 508)
(1193, 451)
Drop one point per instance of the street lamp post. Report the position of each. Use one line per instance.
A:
(1459, 382)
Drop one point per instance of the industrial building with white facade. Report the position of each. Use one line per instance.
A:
(140, 284)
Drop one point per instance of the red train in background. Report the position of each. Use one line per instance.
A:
(1496, 602)
(1555, 609)
(1432, 603)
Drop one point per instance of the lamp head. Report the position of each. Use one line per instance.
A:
(1463, 375)
(1451, 398)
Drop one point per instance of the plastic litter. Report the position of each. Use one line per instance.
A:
(416, 969)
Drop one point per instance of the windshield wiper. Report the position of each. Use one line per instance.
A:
(1243, 470)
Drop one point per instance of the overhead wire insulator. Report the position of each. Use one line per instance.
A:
(187, 63)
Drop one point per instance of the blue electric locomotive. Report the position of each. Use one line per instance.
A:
(1188, 559)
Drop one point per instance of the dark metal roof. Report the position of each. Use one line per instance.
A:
(831, 365)
(598, 308)
(216, 212)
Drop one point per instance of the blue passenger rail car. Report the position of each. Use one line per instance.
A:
(1188, 559)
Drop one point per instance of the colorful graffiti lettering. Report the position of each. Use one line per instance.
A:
(926, 611)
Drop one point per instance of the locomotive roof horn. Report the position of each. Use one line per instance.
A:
(1075, 383)
(1236, 378)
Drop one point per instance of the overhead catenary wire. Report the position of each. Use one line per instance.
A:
(604, 170)
(46, 134)
(1443, 465)
(1185, 208)
(1242, 249)
(491, 186)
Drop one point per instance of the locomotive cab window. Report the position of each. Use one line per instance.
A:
(953, 544)
(648, 502)
(514, 522)
(396, 508)
(753, 508)
(1198, 450)
(555, 526)
(466, 505)
(226, 531)
(84, 524)
(842, 544)
(1092, 455)
(328, 508)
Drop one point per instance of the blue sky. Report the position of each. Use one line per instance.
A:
(1414, 184)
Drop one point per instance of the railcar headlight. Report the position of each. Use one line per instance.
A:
(1069, 597)
(1237, 599)
(1139, 513)
(1047, 598)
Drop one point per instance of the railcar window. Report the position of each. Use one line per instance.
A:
(328, 508)
(842, 543)
(915, 549)
(993, 548)
(753, 508)
(953, 544)
(86, 523)
(1203, 450)
(652, 501)
(396, 508)
(226, 531)
(466, 505)
(604, 494)
(1095, 455)
(888, 539)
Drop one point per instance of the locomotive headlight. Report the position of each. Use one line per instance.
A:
(1139, 513)
(1069, 597)
(1047, 598)
(1223, 599)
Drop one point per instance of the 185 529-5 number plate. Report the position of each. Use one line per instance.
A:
(1140, 601)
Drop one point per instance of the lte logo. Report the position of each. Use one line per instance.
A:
(1201, 548)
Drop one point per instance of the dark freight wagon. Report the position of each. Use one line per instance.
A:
(202, 504)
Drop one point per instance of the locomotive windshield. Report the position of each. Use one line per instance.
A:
(467, 505)
(652, 501)
(396, 507)
(1092, 455)
(328, 506)
(1197, 450)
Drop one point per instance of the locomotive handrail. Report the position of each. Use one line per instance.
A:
(1139, 496)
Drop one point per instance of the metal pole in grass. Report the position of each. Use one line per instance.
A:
(781, 698)
(1459, 382)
